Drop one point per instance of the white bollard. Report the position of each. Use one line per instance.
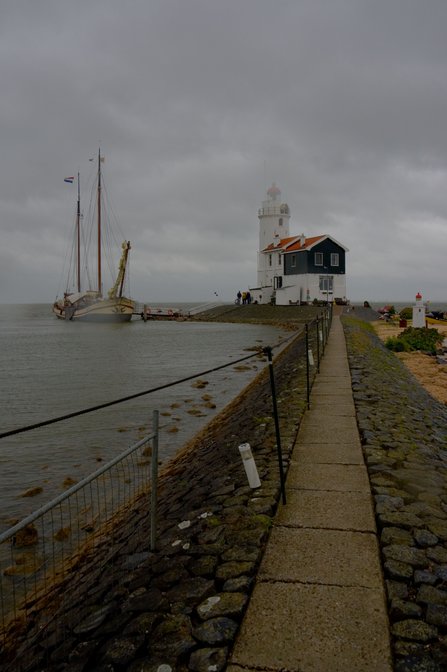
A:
(249, 465)
(311, 357)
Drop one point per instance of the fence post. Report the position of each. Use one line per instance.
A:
(307, 367)
(154, 479)
(268, 351)
(318, 345)
(325, 332)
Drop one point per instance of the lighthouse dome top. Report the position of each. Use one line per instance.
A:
(274, 192)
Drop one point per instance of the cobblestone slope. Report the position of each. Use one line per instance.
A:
(404, 435)
(180, 606)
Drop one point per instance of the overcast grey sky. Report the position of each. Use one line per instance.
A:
(198, 106)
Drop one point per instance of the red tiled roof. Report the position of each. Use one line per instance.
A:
(293, 243)
(282, 244)
(307, 243)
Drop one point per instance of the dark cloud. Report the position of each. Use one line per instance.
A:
(198, 106)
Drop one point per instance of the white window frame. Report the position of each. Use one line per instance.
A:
(326, 284)
(293, 261)
(318, 259)
(335, 259)
(270, 259)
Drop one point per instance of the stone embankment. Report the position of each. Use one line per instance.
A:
(180, 607)
(404, 434)
(287, 317)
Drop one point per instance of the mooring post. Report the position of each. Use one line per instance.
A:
(154, 479)
(268, 351)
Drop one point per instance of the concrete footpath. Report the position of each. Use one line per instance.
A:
(319, 604)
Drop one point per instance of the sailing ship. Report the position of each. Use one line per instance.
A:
(90, 304)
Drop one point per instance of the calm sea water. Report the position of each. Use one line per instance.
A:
(50, 367)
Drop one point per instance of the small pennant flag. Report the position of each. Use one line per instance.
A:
(70, 180)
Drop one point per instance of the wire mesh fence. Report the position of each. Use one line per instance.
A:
(40, 555)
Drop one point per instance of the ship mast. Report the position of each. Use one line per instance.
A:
(78, 235)
(126, 247)
(99, 224)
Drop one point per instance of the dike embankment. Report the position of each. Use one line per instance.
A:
(404, 436)
(181, 605)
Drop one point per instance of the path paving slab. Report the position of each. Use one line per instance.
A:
(314, 629)
(330, 557)
(313, 419)
(331, 510)
(331, 408)
(327, 434)
(327, 453)
(238, 668)
(350, 477)
(340, 396)
(334, 384)
(333, 373)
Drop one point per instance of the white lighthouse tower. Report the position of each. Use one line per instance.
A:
(419, 312)
(274, 218)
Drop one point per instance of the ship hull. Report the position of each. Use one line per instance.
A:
(103, 310)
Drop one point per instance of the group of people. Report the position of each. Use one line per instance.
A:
(243, 297)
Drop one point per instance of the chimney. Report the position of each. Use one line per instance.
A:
(302, 240)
